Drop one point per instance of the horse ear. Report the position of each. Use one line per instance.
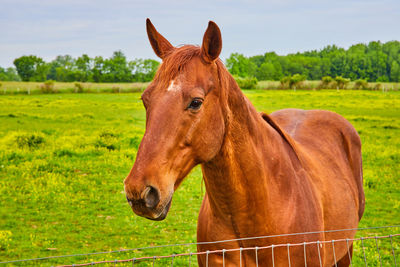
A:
(212, 43)
(160, 45)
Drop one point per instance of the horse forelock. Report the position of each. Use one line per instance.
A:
(175, 62)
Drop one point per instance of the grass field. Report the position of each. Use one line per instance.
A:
(70, 87)
(7, 88)
(63, 158)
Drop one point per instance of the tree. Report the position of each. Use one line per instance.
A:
(97, 69)
(9, 74)
(31, 68)
(266, 71)
(240, 65)
(115, 69)
(395, 72)
(84, 65)
(143, 70)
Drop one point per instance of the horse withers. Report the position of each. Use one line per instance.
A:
(292, 171)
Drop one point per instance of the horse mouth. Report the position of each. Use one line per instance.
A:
(163, 213)
(159, 214)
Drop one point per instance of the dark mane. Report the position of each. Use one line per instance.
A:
(176, 61)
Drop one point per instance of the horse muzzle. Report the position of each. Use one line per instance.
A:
(149, 204)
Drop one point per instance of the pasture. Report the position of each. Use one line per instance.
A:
(63, 158)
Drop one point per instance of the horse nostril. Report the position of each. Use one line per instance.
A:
(151, 197)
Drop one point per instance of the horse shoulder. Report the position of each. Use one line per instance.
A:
(331, 142)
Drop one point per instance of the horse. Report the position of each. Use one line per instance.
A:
(292, 171)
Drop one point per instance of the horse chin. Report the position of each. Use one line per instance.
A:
(163, 213)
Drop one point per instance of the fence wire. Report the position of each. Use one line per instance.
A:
(376, 250)
(391, 262)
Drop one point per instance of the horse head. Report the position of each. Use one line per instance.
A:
(184, 121)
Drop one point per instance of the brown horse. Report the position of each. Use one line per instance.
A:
(292, 171)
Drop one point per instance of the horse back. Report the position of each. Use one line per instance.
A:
(330, 141)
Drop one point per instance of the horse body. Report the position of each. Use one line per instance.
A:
(300, 174)
(293, 171)
(284, 189)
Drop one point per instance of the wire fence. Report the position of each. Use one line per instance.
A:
(377, 246)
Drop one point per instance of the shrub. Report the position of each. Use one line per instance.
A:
(360, 84)
(296, 81)
(340, 82)
(326, 82)
(116, 89)
(31, 141)
(47, 87)
(293, 82)
(378, 86)
(246, 83)
(78, 88)
(285, 82)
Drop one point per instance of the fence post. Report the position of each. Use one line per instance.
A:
(394, 255)
(240, 259)
(377, 248)
(223, 257)
(288, 253)
(348, 251)
(365, 257)
(319, 252)
(273, 258)
(334, 253)
(256, 256)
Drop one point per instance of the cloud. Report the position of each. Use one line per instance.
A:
(49, 28)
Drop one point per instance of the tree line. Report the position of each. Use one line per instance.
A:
(373, 62)
(85, 69)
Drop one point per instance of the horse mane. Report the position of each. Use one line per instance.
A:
(280, 131)
(176, 61)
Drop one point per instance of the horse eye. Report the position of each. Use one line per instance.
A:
(195, 104)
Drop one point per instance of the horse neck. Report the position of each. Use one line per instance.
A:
(248, 169)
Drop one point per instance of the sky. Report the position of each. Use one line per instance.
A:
(48, 28)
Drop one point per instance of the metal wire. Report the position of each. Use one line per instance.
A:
(244, 249)
(204, 243)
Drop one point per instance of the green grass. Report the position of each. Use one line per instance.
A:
(26, 88)
(7, 88)
(313, 85)
(63, 158)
